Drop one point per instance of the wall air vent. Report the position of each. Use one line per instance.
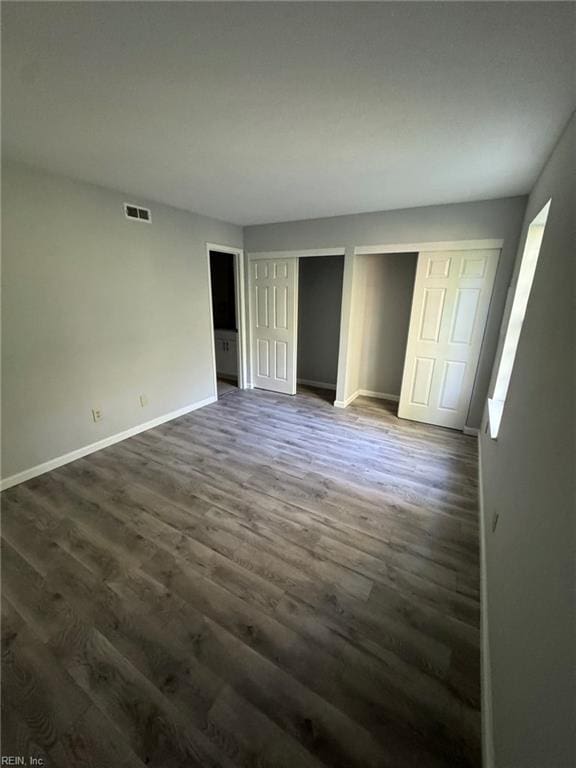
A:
(136, 213)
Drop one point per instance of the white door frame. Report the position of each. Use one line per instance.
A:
(440, 245)
(240, 297)
(299, 254)
(343, 396)
(311, 253)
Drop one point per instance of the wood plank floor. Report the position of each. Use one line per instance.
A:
(267, 581)
(226, 386)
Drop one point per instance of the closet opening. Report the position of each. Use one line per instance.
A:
(385, 286)
(319, 306)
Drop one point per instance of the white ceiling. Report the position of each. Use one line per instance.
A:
(261, 112)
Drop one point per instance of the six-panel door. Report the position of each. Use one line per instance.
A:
(273, 324)
(449, 309)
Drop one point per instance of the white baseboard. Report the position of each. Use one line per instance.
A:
(366, 393)
(346, 403)
(66, 458)
(486, 670)
(317, 384)
(379, 395)
(473, 431)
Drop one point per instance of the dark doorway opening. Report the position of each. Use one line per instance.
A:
(224, 313)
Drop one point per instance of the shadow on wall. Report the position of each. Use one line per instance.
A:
(388, 285)
(319, 304)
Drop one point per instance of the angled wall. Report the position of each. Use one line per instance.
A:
(528, 482)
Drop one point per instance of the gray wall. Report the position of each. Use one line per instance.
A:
(463, 221)
(387, 301)
(319, 302)
(528, 479)
(97, 310)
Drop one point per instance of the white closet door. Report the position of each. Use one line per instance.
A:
(273, 312)
(452, 294)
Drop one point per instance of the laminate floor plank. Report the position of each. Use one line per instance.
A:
(190, 483)
(388, 486)
(387, 469)
(35, 685)
(266, 582)
(179, 480)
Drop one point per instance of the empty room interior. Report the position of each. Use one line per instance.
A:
(287, 392)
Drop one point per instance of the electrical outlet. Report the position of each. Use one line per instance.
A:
(495, 518)
(96, 414)
(143, 401)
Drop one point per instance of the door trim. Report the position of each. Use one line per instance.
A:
(299, 254)
(240, 296)
(272, 255)
(448, 245)
(345, 348)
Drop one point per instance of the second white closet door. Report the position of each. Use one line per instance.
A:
(449, 309)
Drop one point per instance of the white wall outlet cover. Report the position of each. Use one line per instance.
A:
(96, 414)
(143, 400)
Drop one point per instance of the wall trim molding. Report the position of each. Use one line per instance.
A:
(379, 395)
(346, 403)
(301, 253)
(66, 458)
(473, 431)
(317, 384)
(485, 666)
(240, 296)
(366, 393)
(446, 245)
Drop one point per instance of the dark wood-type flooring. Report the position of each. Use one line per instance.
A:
(267, 581)
(225, 387)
